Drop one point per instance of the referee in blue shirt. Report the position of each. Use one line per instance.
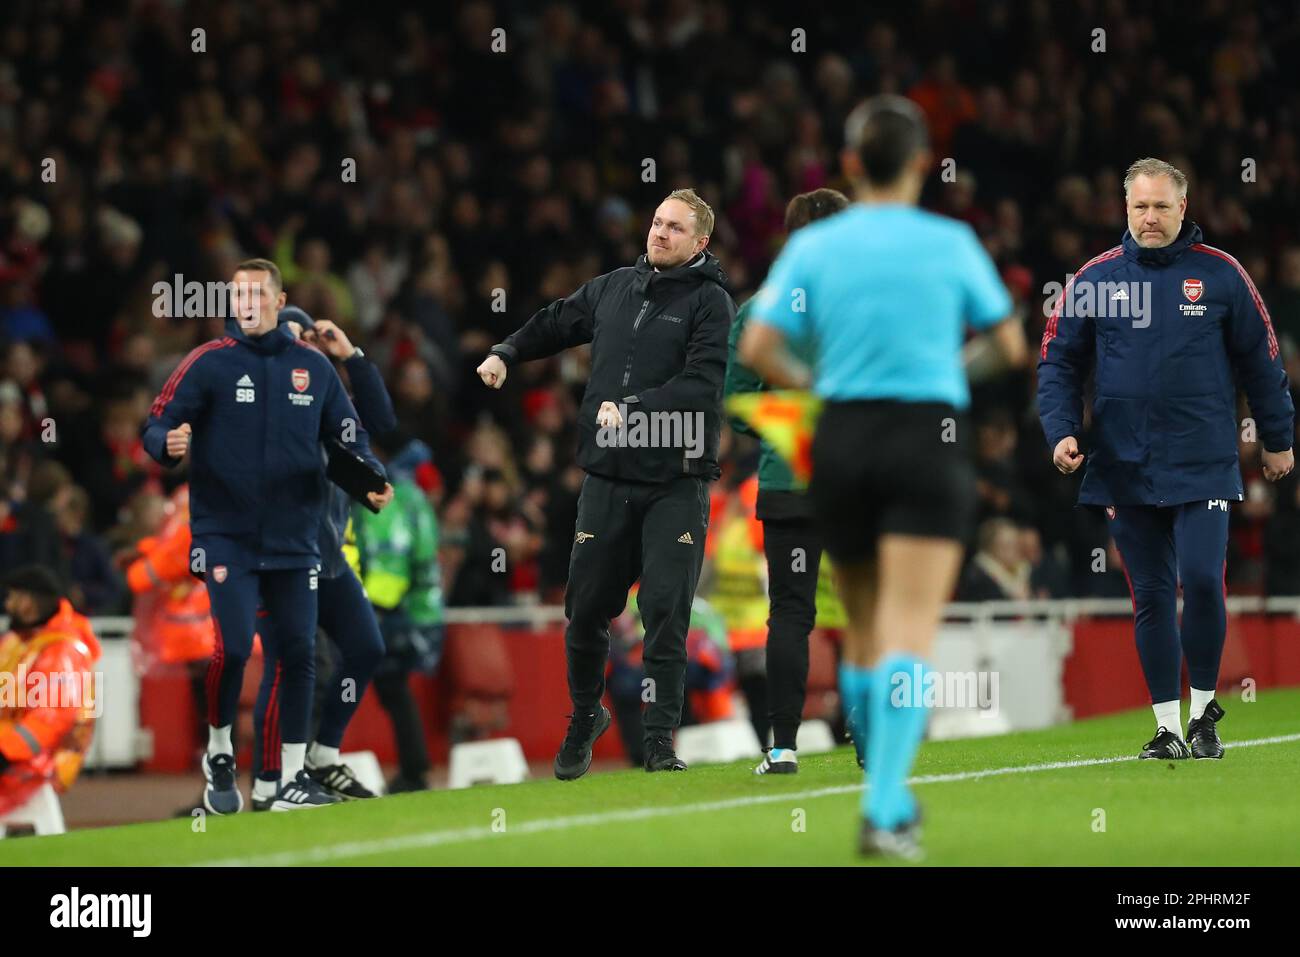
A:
(882, 295)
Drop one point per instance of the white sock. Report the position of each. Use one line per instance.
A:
(219, 741)
(265, 789)
(291, 758)
(319, 756)
(1167, 716)
(1200, 701)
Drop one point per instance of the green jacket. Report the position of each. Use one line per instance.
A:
(398, 551)
(777, 497)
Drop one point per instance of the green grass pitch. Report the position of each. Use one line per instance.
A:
(1243, 810)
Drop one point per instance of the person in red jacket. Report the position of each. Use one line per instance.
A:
(47, 712)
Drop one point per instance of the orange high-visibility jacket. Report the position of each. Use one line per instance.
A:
(173, 617)
(47, 709)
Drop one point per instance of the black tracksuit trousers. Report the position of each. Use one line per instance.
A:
(628, 531)
(792, 597)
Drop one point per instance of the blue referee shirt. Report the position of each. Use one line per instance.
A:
(881, 296)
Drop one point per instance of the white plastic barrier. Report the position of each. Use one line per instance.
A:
(718, 742)
(496, 761)
(814, 737)
(43, 813)
(118, 741)
(998, 676)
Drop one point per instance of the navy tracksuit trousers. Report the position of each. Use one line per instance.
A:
(288, 597)
(346, 615)
(1163, 547)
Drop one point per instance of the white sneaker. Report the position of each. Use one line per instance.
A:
(779, 761)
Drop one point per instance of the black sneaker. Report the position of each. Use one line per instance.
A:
(1166, 745)
(575, 753)
(401, 784)
(903, 841)
(660, 756)
(221, 796)
(301, 792)
(339, 781)
(857, 731)
(1203, 736)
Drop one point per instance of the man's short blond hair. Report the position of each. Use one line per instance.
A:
(1150, 166)
(702, 210)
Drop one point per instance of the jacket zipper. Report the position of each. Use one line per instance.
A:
(627, 371)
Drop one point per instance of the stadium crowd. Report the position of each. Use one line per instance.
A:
(427, 184)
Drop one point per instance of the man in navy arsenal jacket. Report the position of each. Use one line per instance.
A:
(252, 409)
(1172, 329)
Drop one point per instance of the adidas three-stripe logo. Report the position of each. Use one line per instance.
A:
(686, 539)
(339, 778)
(294, 794)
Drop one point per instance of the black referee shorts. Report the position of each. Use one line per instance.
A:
(884, 467)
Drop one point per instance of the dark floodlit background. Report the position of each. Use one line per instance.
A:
(523, 171)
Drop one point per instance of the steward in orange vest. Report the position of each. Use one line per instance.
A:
(173, 617)
(47, 688)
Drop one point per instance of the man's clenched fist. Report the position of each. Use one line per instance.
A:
(1067, 456)
(493, 372)
(381, 499)
(1277, 464)
(608, 417)
(178, 440)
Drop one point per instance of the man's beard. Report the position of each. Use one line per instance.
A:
(666, 261)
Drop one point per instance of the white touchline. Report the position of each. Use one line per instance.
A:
(408, 842)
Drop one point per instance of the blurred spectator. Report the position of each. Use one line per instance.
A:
(999, 571)
(28, 533)
(1282, 540)
(998, 484)
(1048, 575)
(95, 587)
(397, 552)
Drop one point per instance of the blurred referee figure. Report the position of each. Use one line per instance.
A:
(1164, 436)
(883, 293)
(658, 334)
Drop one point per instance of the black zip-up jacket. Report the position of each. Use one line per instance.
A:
(658, 345)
